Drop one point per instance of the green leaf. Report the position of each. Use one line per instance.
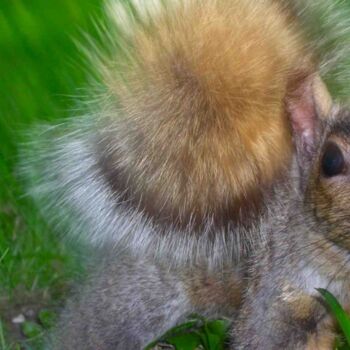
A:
(172, 332)
(338, 312)
(211, 335)
(209, 341)
(219, 326)
(31, 329)
(189, 341)
(216, 333)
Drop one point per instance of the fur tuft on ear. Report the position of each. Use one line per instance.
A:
(322, 98)
(303, 115)
(307, 104)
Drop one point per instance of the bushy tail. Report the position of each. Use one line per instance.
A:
(190, 129)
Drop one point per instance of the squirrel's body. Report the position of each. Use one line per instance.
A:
(179, 162)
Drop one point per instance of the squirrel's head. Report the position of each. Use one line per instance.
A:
(328, 189)
(322, 140)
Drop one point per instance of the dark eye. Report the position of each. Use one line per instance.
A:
(333, 162)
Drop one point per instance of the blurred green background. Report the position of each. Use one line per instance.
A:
(41, 73)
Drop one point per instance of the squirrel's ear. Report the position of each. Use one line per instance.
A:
(322, 98)
(307, 104)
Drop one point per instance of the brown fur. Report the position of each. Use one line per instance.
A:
(325, 338)
(204, 111)
(300, 304)
(302, 308)
(206, 290)
(329, 201)
(323, 99)
(323, 341)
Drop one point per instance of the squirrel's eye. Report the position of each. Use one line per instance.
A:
(333, 162)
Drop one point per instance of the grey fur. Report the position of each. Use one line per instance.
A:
(125, 305)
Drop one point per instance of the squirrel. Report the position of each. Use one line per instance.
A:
(174, 172)
(271, 295)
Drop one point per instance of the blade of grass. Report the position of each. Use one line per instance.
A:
(339, 313)
(2, 257)
(2, 337)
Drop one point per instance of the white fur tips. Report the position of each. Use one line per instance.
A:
(125, 14)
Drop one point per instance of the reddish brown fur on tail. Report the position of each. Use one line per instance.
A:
(201, 109)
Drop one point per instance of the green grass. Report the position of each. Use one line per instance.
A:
(40, 70)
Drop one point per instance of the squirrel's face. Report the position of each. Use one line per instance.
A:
(328, 190)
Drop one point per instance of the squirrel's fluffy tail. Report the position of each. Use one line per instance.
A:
(191, 129)
(200, 101)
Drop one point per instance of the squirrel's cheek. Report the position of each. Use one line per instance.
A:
(327, 198)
